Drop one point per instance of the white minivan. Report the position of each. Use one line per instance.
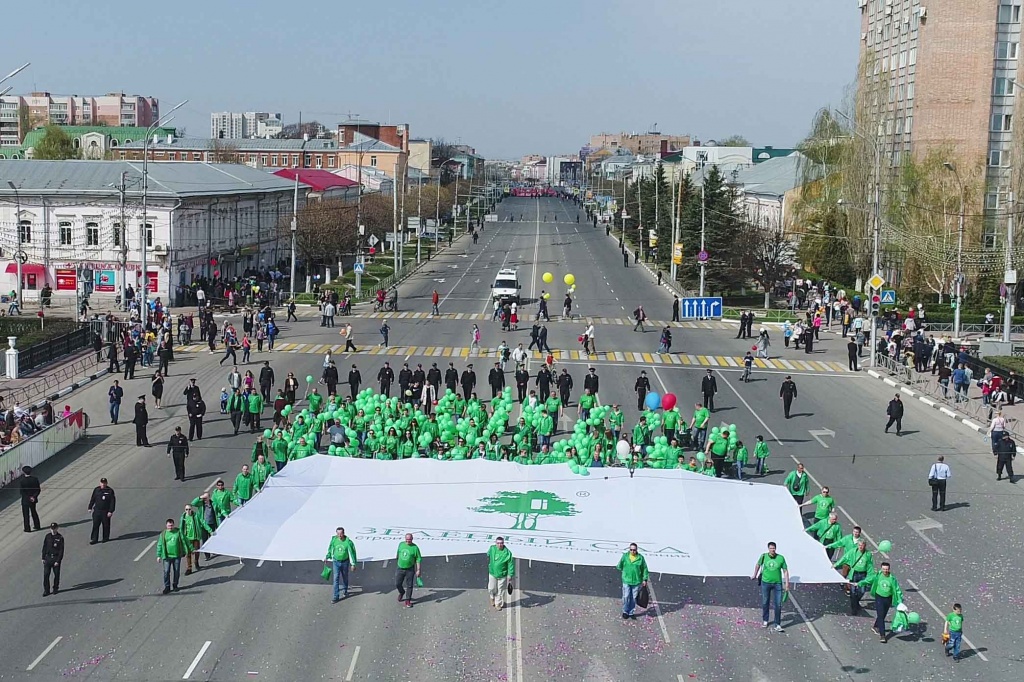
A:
(506, 286)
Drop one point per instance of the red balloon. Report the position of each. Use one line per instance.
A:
(213, 262)
(216, 273)
(668, 401)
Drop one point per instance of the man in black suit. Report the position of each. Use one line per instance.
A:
(30, 489)
(140, 421)
(53, 557)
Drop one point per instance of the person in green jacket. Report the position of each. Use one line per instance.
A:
(888, 595)
(221, 498)
(642, 433)
(170, 547)
(741, 458)
(315, 400)
(280, 447)
(261, 472)
(823, 504)
(826, 530)
(260, 447)
(501, 568)
(244, 486)
(193, 526)
(796, 483)
(341, 552)
(761, 453)
(846, 542)
(856, 564)
(633, 568)
(301, 449)
(616, 418)
(545, 428)
(254, 407)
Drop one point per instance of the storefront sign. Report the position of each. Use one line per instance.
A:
(67, 279)
(104, 280)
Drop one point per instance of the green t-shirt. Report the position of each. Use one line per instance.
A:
(771, 568)
(671, 419)
(616, 418)
(700, 417)
(341, 550)
(408, 555)
(315, 401)
(587, 401)
(956, 622)
(884, 586)
(823, 506)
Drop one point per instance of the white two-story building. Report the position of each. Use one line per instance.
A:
(77, 221)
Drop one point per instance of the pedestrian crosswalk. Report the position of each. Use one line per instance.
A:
(613, 357)
(526, 321)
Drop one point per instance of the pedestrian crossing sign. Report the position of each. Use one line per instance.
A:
(358, 268)
(888, 297)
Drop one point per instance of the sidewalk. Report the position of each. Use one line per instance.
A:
(52, 381)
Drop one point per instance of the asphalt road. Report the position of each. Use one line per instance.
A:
(236, 621)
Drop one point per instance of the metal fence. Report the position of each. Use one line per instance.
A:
(41, 353)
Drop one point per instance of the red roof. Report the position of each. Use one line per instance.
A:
(318, 179)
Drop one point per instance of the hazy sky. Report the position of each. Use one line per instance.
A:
(508, 78)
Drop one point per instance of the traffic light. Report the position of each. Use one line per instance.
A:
(876, 302)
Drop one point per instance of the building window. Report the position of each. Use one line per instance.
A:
(330, 162)
(908, 124)
(25, 231)
(263, 159)
(92, 234)
(1009, 14)
(892, 93)
(1002, 123)
(903, 58)
(197, 156)
(1006, 50)
(295, 159)
(273, 160)
(307, 160)
(373, 161)
(117, 234)
(912, 57)
(992, 201)
(910, 90)
(1002, 86)
(64, 232)
(149, 235)
(996, 157)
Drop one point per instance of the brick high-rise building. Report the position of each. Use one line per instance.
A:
(940, 73)
(21, 113)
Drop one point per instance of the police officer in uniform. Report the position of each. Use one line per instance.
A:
(591, 381)
(468, 381)
(53, 557)
(386, 377)
(642, 386)
(30, 489)
(102, 505)
(451, 377)
(404, 379)
(140, 421)
(196, 412)
(177, 449)
(522, 383)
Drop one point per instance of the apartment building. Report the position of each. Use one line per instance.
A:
(943, 72)
(239, 125)
(649, 143)
(21, 113)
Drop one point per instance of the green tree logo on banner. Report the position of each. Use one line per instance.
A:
(526, 508)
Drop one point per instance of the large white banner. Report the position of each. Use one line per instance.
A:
(40, 447)
(684, 523)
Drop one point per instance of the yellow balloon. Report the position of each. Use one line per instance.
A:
(548, 277)
(547, 296)
(569, 279)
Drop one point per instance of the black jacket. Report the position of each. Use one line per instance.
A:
(591, 381)
(895, 409)
(496, 378)
(1006, 448)
(197, 409)
(468, 379)
(451, 377)
(386, 376)
(564, 382)
(434, 376)
(405, 377)
(522, 377)
(53, 547)
(642, 385)
(192, 393)
(103, 500)
(177, 445)
(141, 415)
(330, 375)
(418, 377)
(29, 487)
(708, 385)
(544, 381)
(355, 378)
(267, 376)
(788, 389)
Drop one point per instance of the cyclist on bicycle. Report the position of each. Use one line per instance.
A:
(380, 300)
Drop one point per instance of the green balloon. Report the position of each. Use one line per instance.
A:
(913, 617)
(267, 433)
(309, 378)
(885, 546)
(700, 456)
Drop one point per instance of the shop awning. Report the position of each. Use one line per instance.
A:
(27, 269)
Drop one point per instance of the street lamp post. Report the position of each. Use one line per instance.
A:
(959, 277)
(18, 255)
(144, 231)
(295, 213)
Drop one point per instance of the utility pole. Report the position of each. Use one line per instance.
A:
(958, 277)
(876, 243)
(19, 255)
(295, 214)
(703, 226)
(1010, 276)
(657, 212)
(394, 222)
(124, 242)
(640, 222)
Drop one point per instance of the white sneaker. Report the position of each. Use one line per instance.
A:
(778, 628)
(764, 623)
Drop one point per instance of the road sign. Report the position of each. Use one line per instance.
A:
(703, 256)
(677, 254)
(359, 268)
(888, 297)
(700, 307)
(373, 240)
(876, 281)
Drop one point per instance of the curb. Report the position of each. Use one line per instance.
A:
(927, 401)
(69, 389)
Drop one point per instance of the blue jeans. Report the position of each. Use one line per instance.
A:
(953, 645)
(629, 593)
(341, 577)
(762, 466)
(700, 437)
(115, 410)
(168, 565)
(739, 470)
(767, 591)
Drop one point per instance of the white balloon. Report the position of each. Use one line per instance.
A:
(622, 447)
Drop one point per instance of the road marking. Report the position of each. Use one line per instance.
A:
(143, 552)
(923, 524)
(657, 610)
(195, 661)
(40, 657)
(519, 626)
(259, 564)
(807, 622)
(818, 433)
(352, 665)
